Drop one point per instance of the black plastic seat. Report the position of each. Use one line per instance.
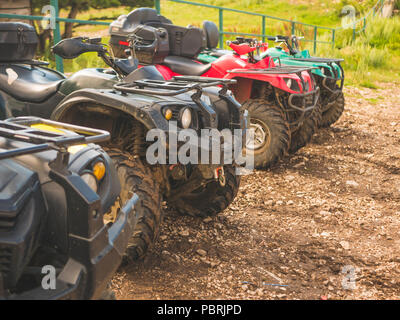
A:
(186, 66)
(32, 87)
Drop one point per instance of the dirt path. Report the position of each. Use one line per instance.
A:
(335, 203)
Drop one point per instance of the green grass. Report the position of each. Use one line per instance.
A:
(374, 57)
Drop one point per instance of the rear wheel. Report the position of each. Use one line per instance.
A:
(135, 177)
(271, 132)
(333, 111)
(210, 199)
(302, 136)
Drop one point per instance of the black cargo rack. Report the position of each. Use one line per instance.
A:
(178, 85)
(20, 129)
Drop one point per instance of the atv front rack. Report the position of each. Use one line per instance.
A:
(178, 85)
(20, 129)
(319, 60)
(274, 70)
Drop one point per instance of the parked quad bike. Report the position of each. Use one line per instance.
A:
(328, 72)
(59, 208)
(97, 98)
(282, 101)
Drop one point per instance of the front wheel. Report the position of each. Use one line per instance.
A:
(210, 199)
(271, 133)
(135, 177)
(333, 110)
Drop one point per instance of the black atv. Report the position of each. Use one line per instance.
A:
(129, 110)
(63, 230)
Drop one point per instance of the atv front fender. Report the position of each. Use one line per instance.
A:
(145, 109)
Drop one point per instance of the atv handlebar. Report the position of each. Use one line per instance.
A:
(73, 47)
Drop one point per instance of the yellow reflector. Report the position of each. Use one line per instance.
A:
(46, 127)
(99, 170)
(168, 114)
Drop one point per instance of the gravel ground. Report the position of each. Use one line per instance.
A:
(323, 224)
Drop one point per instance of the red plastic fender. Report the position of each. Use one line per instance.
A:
(241, 49)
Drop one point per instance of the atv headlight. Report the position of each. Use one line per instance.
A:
(292, 84)
(186, 118)
(90, 180)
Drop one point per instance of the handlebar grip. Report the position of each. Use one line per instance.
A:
(271, 38)
(89, 47)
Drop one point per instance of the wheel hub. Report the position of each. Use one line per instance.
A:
(259, 135)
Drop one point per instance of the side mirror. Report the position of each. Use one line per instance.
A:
(73, 47)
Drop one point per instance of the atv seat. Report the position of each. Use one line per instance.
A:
(31, 88)
(186, 66)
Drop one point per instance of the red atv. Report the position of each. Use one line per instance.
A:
(282, 101)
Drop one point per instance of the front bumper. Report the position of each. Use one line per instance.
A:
(303, 104)
(100, 257)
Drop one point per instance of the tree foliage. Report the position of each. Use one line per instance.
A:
(75, 6)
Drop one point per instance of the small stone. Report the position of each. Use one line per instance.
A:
(184, 233)
(290, 203)
(352, 183)
(345, 245)
(325, 234)
(330, 288)
(245, 287)
(269, 202)
(279, 203)
(290, 178)
(299, 165)
(281, 295)
(207, 220)
(324, 213)
(201, 252)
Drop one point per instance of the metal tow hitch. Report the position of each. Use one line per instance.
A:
(219, 175)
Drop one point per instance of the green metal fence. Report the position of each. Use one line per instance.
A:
(263, 17)
(294, 24)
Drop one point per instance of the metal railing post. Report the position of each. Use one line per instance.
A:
(333, 38)
(57, 36)
(354, 32)
(221, 28)
(315, 39)
(157, 5)
(263, 29)
(293, 28)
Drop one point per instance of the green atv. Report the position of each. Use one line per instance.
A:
(328, 73)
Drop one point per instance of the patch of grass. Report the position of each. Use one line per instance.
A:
(368, 84)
